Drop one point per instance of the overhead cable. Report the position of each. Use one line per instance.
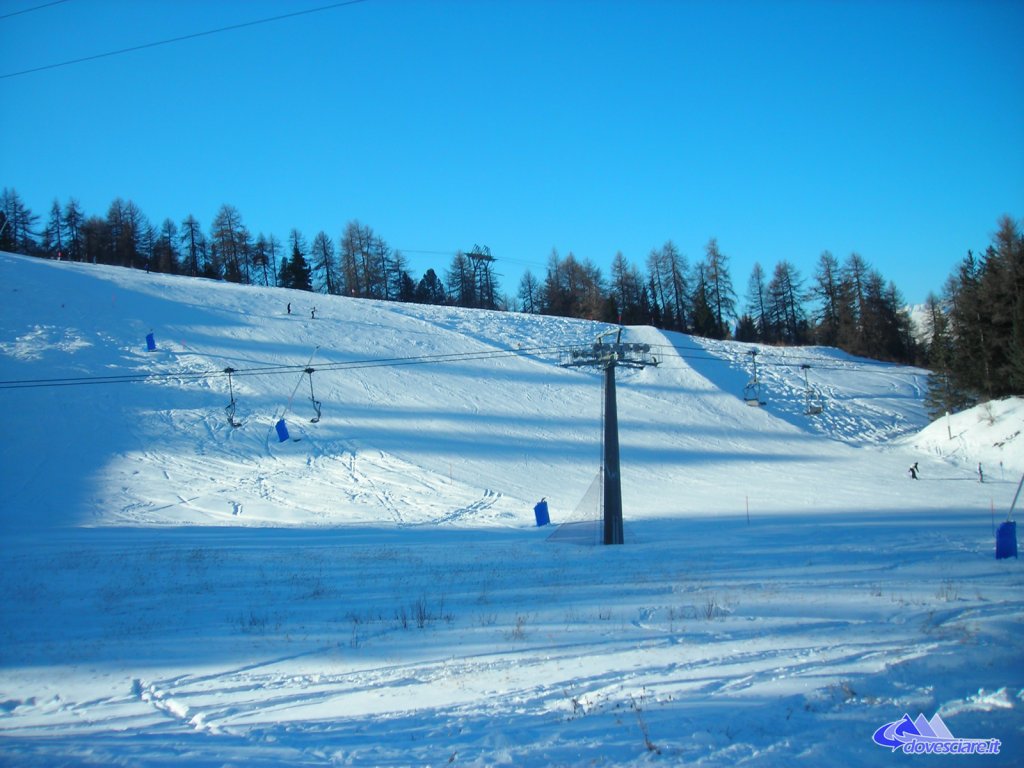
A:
(29, 10)
(344, 365)
(347, 365)
(181, 38)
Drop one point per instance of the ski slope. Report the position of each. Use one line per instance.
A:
(373, 591)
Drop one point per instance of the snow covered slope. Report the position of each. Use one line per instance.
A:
(990, 435)
(177, 590)
(464, 438)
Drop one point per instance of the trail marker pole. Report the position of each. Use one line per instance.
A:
(608, 357)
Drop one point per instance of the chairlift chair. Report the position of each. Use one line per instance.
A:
(312, 397)
(229, 409)
(752, 390)
(814, 404)
(752, 394)
(814, 407)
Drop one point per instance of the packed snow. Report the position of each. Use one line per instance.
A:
(374, 590)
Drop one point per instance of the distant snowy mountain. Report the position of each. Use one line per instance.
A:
(920, 323)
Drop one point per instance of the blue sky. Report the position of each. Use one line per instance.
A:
(893, 129)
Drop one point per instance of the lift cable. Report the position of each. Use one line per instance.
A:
(178, 39)
(30, 10)
(454, 357)
(129, 378)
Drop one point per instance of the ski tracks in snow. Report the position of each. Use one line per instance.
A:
(471, 512)
(586, 685)
(223, 477)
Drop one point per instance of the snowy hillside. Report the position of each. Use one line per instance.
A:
(989, 435)
(374, 591)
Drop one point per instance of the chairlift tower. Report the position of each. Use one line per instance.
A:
(481, 259)
(609, 356)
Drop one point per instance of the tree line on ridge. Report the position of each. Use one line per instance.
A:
(973, 340)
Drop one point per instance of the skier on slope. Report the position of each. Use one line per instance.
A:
(913, 471)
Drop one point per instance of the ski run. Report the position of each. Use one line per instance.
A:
(374, 590)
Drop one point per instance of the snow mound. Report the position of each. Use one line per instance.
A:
(991, 434)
